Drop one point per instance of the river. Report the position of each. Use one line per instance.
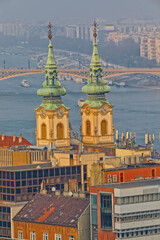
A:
(135, 109)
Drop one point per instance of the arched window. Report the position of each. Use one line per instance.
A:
(88, 127)
(44, 131)
(60, 131)
(103, 127)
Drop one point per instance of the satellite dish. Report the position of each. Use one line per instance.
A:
(70, 194)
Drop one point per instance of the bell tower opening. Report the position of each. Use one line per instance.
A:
(104, 127)
(44, 131)
(88, 128)
(60, 131)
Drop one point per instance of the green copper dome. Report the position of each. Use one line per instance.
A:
(52, 89)
(96, 87)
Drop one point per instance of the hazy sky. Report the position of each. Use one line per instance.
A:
(74, 10)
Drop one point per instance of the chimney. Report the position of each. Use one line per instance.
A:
(14, 138)
(2, 137)
(43, 188)
(20, 138)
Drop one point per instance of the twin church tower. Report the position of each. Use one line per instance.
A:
(52, 115)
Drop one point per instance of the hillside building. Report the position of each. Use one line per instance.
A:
(150, 48)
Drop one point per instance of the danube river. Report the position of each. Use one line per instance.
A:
(135, 109)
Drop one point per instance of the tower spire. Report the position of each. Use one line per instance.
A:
(95, 61)
(96, 87)
(52, 89)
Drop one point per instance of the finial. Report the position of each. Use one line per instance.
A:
(95, 30)
(50, 31)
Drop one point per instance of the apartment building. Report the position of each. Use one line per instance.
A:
(117, 37)
(150, 48)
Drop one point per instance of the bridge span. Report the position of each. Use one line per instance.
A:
(82, 73)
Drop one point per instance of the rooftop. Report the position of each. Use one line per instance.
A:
(132, 166)
(134, 184)
(53, 210)
(9, 141)
(27, 167)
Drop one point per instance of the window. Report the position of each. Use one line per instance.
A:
(20, 235)
(94, 208)
(106, 211)
(44, 131)
(32, 235)
(45, 236)
(153, 173)
(60, 131)
(58, 237)
(88, 127)
(103, 127)
(121, 177)
(71, 238)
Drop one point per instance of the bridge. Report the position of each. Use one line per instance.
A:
(80, 73)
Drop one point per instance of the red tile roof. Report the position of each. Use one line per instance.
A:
(10, 141)
(53, 210)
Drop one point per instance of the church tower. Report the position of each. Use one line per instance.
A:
(96, 113)
(52, 115)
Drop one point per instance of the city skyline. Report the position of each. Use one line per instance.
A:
(79, 11)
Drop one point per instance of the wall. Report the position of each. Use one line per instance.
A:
(6, 157)
(131, 174)
(96, 174)
(89, 159)
(39, 228)
(14, 210)
(84, 225)
(21, 158)
(129, 152)
(103, 234)
(114, 161)
(63, 159)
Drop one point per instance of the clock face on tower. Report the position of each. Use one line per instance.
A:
(43, 113)
(103, 110)
(60, 112)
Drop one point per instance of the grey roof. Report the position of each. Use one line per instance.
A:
(134, 184)
(27, 167)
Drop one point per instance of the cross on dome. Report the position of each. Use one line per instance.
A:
(50, 30)
(95, 30)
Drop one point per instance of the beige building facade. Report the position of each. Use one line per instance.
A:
(150, 48)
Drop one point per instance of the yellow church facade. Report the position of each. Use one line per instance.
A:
(53, 127)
